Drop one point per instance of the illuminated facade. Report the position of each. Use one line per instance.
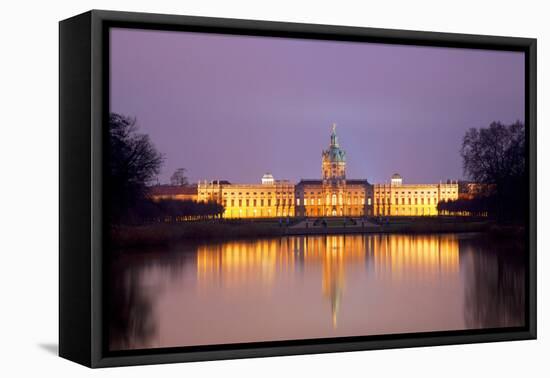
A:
(333, 195)
(174, 192)
(271, 198)
(398, 199)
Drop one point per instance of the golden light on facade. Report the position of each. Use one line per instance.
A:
(332, 195)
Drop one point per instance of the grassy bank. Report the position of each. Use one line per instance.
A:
(158, 234)
(434, 225)
(166, 233)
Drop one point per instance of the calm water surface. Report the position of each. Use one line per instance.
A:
(313, 287)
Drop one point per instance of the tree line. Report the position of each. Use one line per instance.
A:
(495, 158)
(481, 206)
(134, 165)
(173, 211)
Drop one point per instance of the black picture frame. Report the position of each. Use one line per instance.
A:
(83, 110)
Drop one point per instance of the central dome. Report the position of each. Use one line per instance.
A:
(334, 153)
(334, 159)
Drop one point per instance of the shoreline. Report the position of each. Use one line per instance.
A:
(160, 234)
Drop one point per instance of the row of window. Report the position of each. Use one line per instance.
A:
(333, 212)
(333, 201)
(407, 211)
(405, 201)
(240, 213)
(248, 193)
(260, 193)
(416, 192)
(320, 193)
(255, 202)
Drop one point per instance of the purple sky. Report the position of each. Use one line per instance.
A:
(234, 107)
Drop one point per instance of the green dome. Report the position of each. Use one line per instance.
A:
(334, 153)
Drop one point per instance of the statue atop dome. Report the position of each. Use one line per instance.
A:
(334, 159)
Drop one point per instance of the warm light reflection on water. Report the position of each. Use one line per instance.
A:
(313, 286)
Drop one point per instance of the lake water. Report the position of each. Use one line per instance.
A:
(304, 287)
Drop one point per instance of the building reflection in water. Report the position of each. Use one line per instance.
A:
(314, 286)
(239, 263)
(421, 257)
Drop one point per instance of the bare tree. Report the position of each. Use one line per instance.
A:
(496, 156)
(134, 163)
(178, 178)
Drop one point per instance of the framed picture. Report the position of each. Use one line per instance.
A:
(234, 188)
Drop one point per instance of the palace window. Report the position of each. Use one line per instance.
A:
(262, 203)
(254, 203)
(232, 203)
(319, 201)
(362, 201)
(247, 203)
(269, 203)
(334, 199)
(297, 202)
(369, 201)
(240, 202)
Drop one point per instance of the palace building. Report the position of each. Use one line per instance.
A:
(174, 192)
(271, 198)
(332, 195)
(398, 199)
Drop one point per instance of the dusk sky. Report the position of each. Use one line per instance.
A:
(235, 107)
